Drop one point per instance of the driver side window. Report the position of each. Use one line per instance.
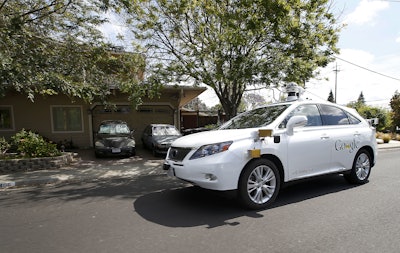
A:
(310, 111)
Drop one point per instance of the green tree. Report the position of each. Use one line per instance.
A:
(395, 105)
(359, 103)
(383, 116)
(197, 105)
(331, 98)
(51, 47)
(361, 99)
(252, 100)
(229, 45)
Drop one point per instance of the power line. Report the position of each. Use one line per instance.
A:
(373, 71)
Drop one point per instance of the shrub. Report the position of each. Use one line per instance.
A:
(211, 126)
(30, 144)
(4, 146)
(386, 138)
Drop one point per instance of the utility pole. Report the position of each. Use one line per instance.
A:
(336, 70)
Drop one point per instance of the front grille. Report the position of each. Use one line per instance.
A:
(178, 154)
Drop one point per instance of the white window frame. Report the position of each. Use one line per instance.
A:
(66, 106)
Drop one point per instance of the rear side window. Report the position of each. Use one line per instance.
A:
(332, 115)
(353, 119)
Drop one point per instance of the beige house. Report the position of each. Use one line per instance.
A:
(75, 122)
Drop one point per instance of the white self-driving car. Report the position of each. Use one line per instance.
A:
(259, 150)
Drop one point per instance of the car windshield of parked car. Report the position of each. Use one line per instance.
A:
(165, 130)
(255, 118)
(114, 129)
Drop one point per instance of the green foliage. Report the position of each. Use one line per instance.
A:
(197, 105)
(360, 103)
(369, 112)
(395, 105)
(4, 146)
(383, 116)
(30, 144)
(55, 47)
(211, 126)
(331, 98)
(361, 99)
(252, 100)
(229, 45)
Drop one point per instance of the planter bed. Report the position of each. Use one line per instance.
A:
(30, 164)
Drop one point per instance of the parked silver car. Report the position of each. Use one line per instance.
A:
(114, 138)
(158, 137)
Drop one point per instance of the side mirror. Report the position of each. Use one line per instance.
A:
(295, 121)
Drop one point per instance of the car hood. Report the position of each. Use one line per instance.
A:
(165, 139)
(215, 136)
(113, 140)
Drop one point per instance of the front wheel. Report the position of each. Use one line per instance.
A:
(361, 168)
(259, 184)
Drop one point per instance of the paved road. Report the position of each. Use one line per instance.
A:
(151, 213)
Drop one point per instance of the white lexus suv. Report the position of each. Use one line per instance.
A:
(259, 150)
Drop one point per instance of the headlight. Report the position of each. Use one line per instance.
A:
(131, 143)
(99, 144)
(211, 149)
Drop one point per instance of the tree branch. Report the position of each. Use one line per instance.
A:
(53, 3)
(2, 4)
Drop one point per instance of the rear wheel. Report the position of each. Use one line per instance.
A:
(361, 169)
(259, 184)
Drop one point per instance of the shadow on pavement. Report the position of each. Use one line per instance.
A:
(126, 188)
(173, 203)
(193, 206)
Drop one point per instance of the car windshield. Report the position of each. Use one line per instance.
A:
(165, 130)
(114, 128)
(255, 118)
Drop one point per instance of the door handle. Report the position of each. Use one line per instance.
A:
(324, 137)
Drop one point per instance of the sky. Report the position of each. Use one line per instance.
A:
(369, 58)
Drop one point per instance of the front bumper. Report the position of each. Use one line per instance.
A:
(161, 149)
(108, 151)
(216, 172)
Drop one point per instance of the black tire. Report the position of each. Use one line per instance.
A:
(154, 151)
(132, 153)
(361, 169)
(259, 184)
